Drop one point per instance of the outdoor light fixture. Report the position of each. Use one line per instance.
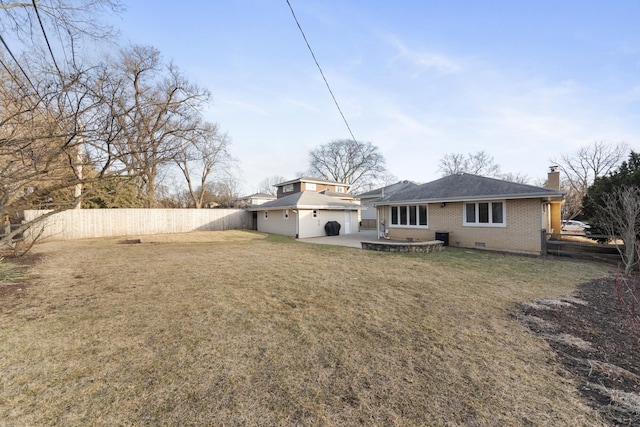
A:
(443, 204)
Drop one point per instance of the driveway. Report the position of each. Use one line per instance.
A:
(352, 240)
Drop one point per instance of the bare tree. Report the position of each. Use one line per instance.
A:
(347, 161)
(44, 144)
(622, 210)
(28, 19)
(479, 163)
(515, 177)
(452, 164)
(203, 157)
(583, 166)
(224, 192)
(267, 185)
(159, 112)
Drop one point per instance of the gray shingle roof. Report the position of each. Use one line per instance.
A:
(306, 200)
(263, 195)
(388, 190)
(343, 196)
(468, 187)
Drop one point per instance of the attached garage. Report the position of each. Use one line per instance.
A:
(305, 214)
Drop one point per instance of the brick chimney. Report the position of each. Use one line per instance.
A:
(555, 207)
(553, 178)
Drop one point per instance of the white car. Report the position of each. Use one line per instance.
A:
(573, 226)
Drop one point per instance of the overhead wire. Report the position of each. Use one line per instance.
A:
(6, 46)
(64, 52)
(321, 72)
(46, 39)
(55, 63)
(11, 74)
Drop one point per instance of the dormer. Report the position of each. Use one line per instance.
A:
(310, 184)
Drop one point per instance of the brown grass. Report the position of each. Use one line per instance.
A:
(237, 329)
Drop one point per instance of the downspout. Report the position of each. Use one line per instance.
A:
(545, 226)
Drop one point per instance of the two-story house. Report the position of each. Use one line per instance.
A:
(305, 205)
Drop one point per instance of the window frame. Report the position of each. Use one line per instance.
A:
(409, 216)
(482, 208)
(287, 188)
(311, 186)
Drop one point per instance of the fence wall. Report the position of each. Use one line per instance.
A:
(91, 223)
(579, 246)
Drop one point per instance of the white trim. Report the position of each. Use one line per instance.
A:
(418, 218)
(490, 214)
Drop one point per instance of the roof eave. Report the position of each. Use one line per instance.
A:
(544, 196)
(307, 207)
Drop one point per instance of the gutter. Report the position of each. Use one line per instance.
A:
(487, 198)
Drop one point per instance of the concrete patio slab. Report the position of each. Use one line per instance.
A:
(351, 240)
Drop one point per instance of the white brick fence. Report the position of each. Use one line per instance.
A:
(91, 223)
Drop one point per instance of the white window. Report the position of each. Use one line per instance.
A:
(409, 216)
(484, 214)
(314, 214)
(339, 189)
(266, 214)
(287, 188)
(285, 214)
(311, 186)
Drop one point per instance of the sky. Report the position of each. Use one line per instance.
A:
(524, 81)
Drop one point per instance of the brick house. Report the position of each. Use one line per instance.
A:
(474, 212)
(368, 199)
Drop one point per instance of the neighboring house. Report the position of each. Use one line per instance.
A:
(474, 212)
(310, 184)
(367, 200)
(252, 200)
(304, 214)
(342, 196)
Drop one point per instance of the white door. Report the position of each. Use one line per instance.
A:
(347, 222)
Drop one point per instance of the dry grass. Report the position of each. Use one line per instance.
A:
(238, 329)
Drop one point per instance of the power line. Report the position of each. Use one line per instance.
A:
(320, 69)
(57, 28)
(55, 63)
(13, 77)
(6, 46)
(44, 33)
